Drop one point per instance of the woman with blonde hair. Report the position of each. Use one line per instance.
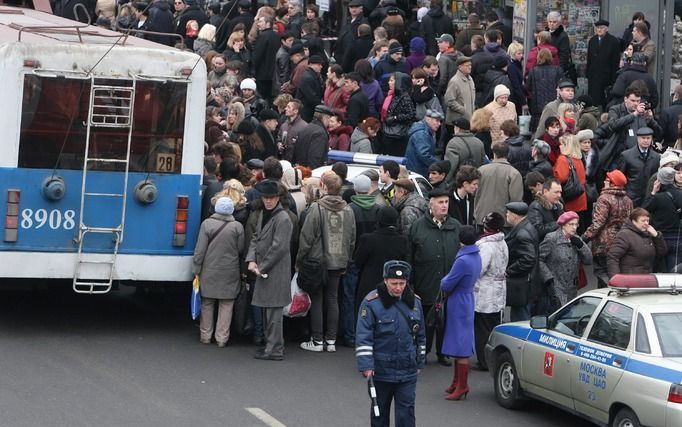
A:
(235, 115)
(236, 50)
(515, 73)
(205, 40)
(568, 117)
(568, 164)
(234, 189)
(479, 125)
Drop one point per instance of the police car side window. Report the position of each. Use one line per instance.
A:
(573, 318)
(612, 326)
(642, 338)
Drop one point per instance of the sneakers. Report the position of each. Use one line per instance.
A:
(313, 346)
(331, 346)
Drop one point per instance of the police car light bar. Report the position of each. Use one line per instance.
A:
(361, 158)
(650, 282)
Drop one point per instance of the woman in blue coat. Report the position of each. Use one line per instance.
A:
(458, 286)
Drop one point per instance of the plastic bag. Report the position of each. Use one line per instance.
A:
(300, 300)
(195, 300)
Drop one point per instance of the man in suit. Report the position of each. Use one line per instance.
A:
(603, 56)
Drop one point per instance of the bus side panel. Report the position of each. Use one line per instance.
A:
(52, 226)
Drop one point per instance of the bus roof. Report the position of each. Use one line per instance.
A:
(33, 26)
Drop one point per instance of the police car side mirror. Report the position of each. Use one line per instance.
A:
(539, 322)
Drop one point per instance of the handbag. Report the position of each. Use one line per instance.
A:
(436, 316)
(572, 189)
(300, 300)
(242, 323)
(432, 104)
(312, 272)
(518, 291)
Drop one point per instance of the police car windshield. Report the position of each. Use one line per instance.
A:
(668, 326)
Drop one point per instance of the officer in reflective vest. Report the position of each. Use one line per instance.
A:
(391, 344)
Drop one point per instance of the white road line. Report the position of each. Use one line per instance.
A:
(267, 419)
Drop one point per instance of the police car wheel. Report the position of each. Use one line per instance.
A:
(625, 418)
(507, 382)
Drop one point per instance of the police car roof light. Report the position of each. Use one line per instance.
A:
(645, 282)
(361, 158)
(675, 393)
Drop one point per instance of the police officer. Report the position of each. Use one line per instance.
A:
(391, 344)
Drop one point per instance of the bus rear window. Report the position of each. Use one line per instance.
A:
(668, 327)
(55, 118)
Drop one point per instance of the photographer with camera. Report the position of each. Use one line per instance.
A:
(636, 71)
(620, 132)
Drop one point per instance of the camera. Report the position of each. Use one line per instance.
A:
(647, 105)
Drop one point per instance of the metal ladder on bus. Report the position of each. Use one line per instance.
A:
(110, 107)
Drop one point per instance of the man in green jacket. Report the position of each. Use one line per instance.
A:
(434, 242)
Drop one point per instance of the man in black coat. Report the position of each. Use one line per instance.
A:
(264, 55)
(670, 117)
(522, 242)
(359, 48)
(313, 141)
(433, 24)
(603, 58)
(560, 40)
(161, 21)
(638, 164)
(358, 105)
(546, 208)
(349, 30)
(636, 71)
(189, 14)
(309, 87)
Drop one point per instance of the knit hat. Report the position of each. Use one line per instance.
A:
(417, 44)
(617, 178)
(585, 134)
(245, 128)
(669, 157)
(541, 146)
(421, 13)
(248, 84)
(291, 179)
(224, 206)
(361, 184)
(666, 175)
(462, 123)
(395, 47)
(566, 217)
(501, 90)
(387, 216)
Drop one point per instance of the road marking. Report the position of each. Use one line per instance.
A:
(267, 419)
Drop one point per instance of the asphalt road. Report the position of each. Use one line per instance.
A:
(125, 359)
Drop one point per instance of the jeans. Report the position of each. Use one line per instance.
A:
(257, 315)
(348, 314)
(326, 298)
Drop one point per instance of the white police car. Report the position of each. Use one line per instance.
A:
(612, 356)
(359, 162)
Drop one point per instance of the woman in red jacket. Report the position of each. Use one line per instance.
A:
(570, 152)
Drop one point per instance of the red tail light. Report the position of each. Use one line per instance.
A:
(12, 215)
(675, 393)
(181, 216)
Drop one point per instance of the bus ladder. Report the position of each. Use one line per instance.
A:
(110, 107)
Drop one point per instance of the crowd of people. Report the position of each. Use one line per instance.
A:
(510, 221)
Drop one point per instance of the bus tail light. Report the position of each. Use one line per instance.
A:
(180, 226)
(12, 215)
(675, 393)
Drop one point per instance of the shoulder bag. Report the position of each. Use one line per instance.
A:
(312, 272)
(436, 316)
(572, 189)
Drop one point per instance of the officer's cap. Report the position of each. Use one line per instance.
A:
(397, 270)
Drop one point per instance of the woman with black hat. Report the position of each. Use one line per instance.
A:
(250, 143)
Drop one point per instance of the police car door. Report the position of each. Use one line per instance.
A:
(600, 359)
(548, 354)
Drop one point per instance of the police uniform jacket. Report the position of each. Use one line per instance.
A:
(383, 338)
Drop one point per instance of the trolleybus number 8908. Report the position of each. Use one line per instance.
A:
(54, 219)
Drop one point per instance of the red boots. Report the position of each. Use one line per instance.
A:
(451, 388)
(462, 386)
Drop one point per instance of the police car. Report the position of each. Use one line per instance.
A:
(612, 356)
(359, 162)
